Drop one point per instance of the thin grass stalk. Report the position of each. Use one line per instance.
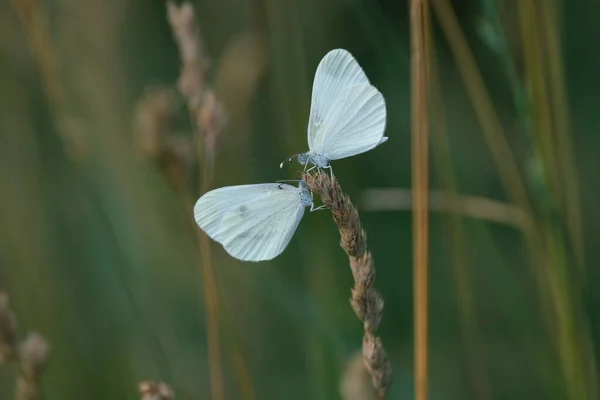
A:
(479, 208)
(543, 140)
(236, 357)
(211, 303)
(34, 21)
(497, 144)
(471, 335)
(420, 166)
(365, 300)
(578, 365)
(568, 174)
(484, 109)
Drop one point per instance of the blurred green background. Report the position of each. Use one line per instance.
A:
(98, 248)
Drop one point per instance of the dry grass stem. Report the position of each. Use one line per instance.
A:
(207, 118)
(366, 301)
(420, 71)
(70, 128)
(562, 126)
(150, 390)
(481, 208)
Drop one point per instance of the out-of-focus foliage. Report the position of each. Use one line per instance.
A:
(98, 250)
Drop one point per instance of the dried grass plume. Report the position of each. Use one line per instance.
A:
(33, 354)
(157, 141)
(150, 390)
(29, 357)
(205, 109)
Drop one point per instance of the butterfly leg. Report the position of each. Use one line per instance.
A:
(312, 208)
(306, 165)
(330, 171)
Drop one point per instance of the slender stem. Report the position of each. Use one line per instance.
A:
(420, 152)
(211, 299)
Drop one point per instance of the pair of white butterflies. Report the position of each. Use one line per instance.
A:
(347, 117)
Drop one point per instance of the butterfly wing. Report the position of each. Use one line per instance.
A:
(337, 71)
(354, 124)
(252, 222)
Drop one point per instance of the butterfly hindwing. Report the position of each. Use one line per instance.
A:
(354, 124)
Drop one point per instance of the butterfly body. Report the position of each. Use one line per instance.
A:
(315, 159)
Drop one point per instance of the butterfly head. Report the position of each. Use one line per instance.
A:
(303, 158)
(306, 196)
(298, 156)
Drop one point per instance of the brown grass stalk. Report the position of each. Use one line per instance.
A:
(366, 301)
(550, 135)
(419, 23)
(471, 336)
(476, 207)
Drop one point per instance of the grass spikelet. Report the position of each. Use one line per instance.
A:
(366, 301)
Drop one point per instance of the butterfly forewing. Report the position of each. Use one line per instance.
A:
(337, 71)
(252, 222)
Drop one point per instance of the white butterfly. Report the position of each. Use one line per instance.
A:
(253, 222)
(347, 113)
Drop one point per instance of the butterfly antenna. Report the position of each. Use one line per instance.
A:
(289, 160)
